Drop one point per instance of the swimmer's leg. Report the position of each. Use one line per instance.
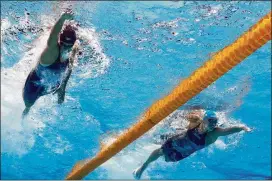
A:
(25, 112)
(154, 156)
(31, 94)
(27, 109)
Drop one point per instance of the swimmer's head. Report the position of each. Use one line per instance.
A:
(210, 119)
(67, 39)
(68, 36)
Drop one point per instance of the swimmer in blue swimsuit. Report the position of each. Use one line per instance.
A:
(54, 67)
(202, 131)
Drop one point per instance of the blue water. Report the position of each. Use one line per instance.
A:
(134, 54)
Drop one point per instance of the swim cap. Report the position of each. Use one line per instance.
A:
(68, 35)
(210, 116)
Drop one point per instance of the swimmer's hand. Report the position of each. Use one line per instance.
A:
(246, 129)
(25, 112)
(68, 15)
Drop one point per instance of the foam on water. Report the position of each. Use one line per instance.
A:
(12, 105)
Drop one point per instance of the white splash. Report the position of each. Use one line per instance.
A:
(17, 135)
(58, 145)
(122, 165)
(93, 62)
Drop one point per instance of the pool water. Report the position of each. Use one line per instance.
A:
(133, 53)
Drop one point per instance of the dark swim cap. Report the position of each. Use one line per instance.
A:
(68, 35)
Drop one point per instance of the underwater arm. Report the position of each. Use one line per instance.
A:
(62, 87)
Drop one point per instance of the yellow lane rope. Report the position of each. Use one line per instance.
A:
(223, 61)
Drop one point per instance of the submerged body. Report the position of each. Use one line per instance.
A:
(202, 132)
(183, 145)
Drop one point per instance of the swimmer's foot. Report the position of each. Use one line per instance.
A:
(137, 173)
(25, 112)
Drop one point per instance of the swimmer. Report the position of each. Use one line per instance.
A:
(202, 131)
(55, 64)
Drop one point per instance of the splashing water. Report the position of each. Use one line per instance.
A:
(92, 63)
(132, 54)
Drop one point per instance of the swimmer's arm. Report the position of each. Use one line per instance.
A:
(68, 71)
(73, 55)
(53, 37)
(227, 131)
(71, 61)
(62, 87)
(51, 52)
(217, 132)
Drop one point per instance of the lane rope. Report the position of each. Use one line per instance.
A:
(223, 61)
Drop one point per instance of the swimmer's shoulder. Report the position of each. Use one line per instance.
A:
(212, 136)
(49, 55)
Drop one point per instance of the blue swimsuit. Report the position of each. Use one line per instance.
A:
(183, 145)
(43, 80)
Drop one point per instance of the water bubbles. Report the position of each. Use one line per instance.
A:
(174, 33)
(169, 24)
(197, 20)
(125, 42)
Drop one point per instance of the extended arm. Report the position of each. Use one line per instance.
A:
(53, 37)
(213, 135)
(51, 52)
(230, 130)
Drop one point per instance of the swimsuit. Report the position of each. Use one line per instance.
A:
(183, 145)
(43, 80)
